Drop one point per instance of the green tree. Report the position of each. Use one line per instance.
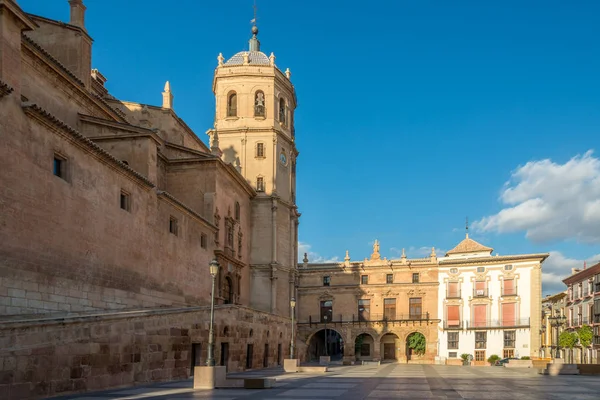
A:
(585, 334)
(568, 340)
(493, 358)
(416, 341)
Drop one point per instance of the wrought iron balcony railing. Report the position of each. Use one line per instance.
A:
(480, 292)
(511, 323)
(366, 319)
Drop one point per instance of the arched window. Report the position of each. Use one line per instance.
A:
(237, 211)
(259, 104)
(282, 113)
(228, 291)
(232, 105)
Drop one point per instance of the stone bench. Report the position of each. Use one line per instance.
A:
(259, 383)
(519, 364)
(216, 378)
(313, 369)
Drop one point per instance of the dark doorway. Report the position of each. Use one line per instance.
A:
(389, 351)
(266, 356)
(279, 354)
(195, 357)
(249, 355)
(326, 342)
(224, 354)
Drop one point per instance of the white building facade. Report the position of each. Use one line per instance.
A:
(488, 304)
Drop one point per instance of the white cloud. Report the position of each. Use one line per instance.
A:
(312, 256)
(557, 267)
(551, 201)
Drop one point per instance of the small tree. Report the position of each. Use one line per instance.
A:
(568, 340)
(493, 358)
(416, 341)
(585, 334)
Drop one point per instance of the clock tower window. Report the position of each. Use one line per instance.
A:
(260, 184)
(232, 105)
(282, 111)
(259, 104)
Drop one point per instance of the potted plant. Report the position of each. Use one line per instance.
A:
(493, 359)
(466, 358)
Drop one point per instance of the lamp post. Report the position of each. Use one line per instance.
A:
(214, 270)
(557, 321)
(293, 305)
(325, 318)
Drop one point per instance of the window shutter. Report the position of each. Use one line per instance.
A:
(509, 287)
(508, 314)
(453, 316)
(453, 289)
(480, 314)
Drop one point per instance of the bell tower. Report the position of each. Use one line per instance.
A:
(254, 131)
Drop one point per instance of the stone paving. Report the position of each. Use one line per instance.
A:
(388, 381)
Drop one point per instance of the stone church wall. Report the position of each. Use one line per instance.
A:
(66, 243)
(58, 356)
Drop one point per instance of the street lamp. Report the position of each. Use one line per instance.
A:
(557, 321)
(293, 305)
(214, 270)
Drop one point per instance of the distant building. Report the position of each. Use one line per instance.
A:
(583, 308)
(367, 310)
(489, 304)
(552, 306)
(480, 305)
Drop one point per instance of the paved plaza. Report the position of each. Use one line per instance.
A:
(388, 381)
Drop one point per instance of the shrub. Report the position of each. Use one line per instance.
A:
(416, 341)
(493, 358)
(525, 358)
(465, 356)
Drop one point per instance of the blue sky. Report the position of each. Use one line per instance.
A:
(411, 115)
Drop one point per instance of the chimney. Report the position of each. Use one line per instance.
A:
(77, 13)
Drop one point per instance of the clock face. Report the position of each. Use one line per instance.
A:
(283, 158)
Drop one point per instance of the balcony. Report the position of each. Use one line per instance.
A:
(315, 320)
(453, 294)
(510, 291)
(480, 292)
(495, 324)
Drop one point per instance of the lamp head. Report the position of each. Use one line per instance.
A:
(293, 302)
(214, 267)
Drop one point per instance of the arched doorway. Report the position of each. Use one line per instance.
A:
(364, 347)
(389, 346)
(416, 346)
(326, 342)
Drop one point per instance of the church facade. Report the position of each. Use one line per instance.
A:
(111, 211)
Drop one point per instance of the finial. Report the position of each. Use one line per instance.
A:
(288, 73)
(305, 260)
(584, 264)
(254, 42)
(167, 96)
(432, 252)
(220, 59)
(272, 59)
(246, 57)
(467, 228)
(403, 253)
(347, 258)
